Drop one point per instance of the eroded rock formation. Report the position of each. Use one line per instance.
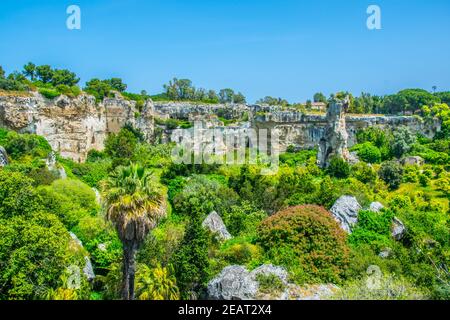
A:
(237, 283)
(345, 210)
(214, 223)
(3, 157)
(398, 229)
(73, 126)
(334, 141)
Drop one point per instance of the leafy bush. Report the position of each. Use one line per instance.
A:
(70, 200)
(338, 168)
(373, 228)
(34, 252)
(156, 284)
(20, 145)
(368, 152)
(402, 142)
(190, 261)
(100, 239)
(204, 195)
(120, 147)
(270, 284)
(313, 237)
(364, 173)
(49, 93)
(239, 251)
(243, 219)
(17, 195)
(391, 172)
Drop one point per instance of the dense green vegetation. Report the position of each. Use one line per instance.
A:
(281, 219)
(146, 239)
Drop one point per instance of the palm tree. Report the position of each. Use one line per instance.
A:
(134, 202)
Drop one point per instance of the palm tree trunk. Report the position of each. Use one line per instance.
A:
(129, 269)
(125, 274)
(132, 269)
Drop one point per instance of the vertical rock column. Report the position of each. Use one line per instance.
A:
(334, 141)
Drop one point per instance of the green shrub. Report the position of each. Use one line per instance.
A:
(270, 284)
(34, 252)
(240, 252)
(309, 237)
(243, 219)
(17, 195)
(101, 240)
(20, 145)
(338, 168)
(156, 284)
(204, 195)
(402, 142)
(121, 146)
(49, 93)
(373, 228)
(380, 288)
(70, 200)
(369, 153)
(191, 261)
(364, 173)
(392, 173)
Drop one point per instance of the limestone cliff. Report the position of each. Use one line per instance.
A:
(73, 126)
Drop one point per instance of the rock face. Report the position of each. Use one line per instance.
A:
(52, 165)
(73, 126)
(215, 224)
(98, 197)
(3, 157)
(398, 229)
(233, 283)
(334, 141)
(88, 270)
(376, 207)
(413, 160)
(385, 253)
(237, 283)
(345, 211)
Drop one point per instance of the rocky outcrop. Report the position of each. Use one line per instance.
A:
(398, 229)
(385, 253)
(214, 223)
(98, 197)
(233, 283)
(334, 141)
(413, 160)
(190, 110)
(237, 283)
(73, 126)
(345, 210)
(3, 157)
(88, 270)
(376, 207)
(304, 131)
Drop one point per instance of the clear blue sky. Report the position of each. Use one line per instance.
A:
(289, 48)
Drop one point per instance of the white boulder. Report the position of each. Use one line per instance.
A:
(345, 211)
